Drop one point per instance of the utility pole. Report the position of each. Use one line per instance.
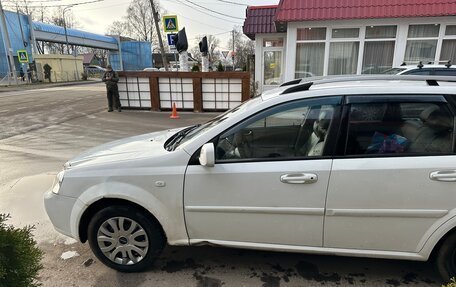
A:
(232, 54)
(11, 64)
(160, 41)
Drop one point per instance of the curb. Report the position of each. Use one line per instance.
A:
(45, 86)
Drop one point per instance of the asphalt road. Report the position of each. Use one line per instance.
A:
(41, 129)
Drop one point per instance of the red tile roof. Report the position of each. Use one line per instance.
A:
(312, 10)
(259, 19)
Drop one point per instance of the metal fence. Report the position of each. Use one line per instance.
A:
(197, 91)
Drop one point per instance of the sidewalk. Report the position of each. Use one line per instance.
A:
(34, 86)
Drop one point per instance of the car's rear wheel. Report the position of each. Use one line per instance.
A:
(125, 239)
(446, 258)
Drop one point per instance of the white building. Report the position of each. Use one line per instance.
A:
(297, 38)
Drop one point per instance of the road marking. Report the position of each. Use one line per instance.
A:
(4, 111)
(22, 108)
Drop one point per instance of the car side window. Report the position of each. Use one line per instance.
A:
(400, 128)
(418, 72)
(296, 129)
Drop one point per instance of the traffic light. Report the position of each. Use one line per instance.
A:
(203, 46)
(181, 41)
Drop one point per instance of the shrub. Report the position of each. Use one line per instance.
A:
(195, 68)
(19, 256)
(84, 76)
(452, 283)
(220, 67)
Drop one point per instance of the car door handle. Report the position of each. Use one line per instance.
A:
(444, 175)
(299, 178)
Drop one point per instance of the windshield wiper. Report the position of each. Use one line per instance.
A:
(178, 137)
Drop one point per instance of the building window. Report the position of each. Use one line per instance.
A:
(343, 58)
(450, 30)
(310, 34)
(448, 52)
(273, 42)
(421, 43)
(345, 33)
(379, 49)
(272, 61)
(343, 53)
(310, 52)
(381, 32)
(310, 59)
(272, 67)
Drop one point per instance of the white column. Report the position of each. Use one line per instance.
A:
(183, 61)
(401, 44)
(259, 62)
(291, 53)
(205, 63)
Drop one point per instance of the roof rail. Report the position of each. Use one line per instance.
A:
(305, 85)
(293, 82)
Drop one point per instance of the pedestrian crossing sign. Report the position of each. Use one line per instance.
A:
(22, 56)
(170, 23)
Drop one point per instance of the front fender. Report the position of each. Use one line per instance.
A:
(171, 219)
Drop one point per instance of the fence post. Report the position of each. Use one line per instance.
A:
(197, 95)
(245, 88)
(154, 93)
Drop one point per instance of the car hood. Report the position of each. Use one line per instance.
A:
(147, 145)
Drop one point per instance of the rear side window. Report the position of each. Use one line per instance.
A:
(399, 128)
(445, 72)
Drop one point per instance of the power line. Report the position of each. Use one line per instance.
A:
(213, 11)
(194, 8)
(231, 2)
(190, 19)
(53, 6)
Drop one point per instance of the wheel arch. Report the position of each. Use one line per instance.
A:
(436, 239)
(106, 202)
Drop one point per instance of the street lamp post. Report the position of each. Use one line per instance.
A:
(66, 33)
(67, 43)
(65, 27)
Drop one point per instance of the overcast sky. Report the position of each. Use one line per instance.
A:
(97, 17)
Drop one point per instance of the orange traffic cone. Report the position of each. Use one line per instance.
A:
(174, 114)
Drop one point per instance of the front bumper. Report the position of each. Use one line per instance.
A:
(59, 209)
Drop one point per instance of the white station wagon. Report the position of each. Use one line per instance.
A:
(358, 166)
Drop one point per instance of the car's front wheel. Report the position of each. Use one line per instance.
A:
(125, 239)
(446, 258)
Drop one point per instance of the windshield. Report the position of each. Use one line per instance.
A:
(393, 71)
(191, 132)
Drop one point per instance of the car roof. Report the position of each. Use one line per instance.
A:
(365, 85)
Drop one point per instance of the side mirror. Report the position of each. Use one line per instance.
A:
(207, 155)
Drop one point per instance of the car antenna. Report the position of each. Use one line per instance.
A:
(448, 64)
(420, 65)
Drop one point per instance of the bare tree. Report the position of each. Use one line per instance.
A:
(243, 47)
(138, 23)
(213, 44)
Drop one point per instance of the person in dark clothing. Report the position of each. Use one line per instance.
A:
(111, 77)
(21, 72)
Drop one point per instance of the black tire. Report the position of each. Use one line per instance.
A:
(445, 260)
(155, 236)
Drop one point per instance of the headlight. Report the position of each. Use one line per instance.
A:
(58, 182)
